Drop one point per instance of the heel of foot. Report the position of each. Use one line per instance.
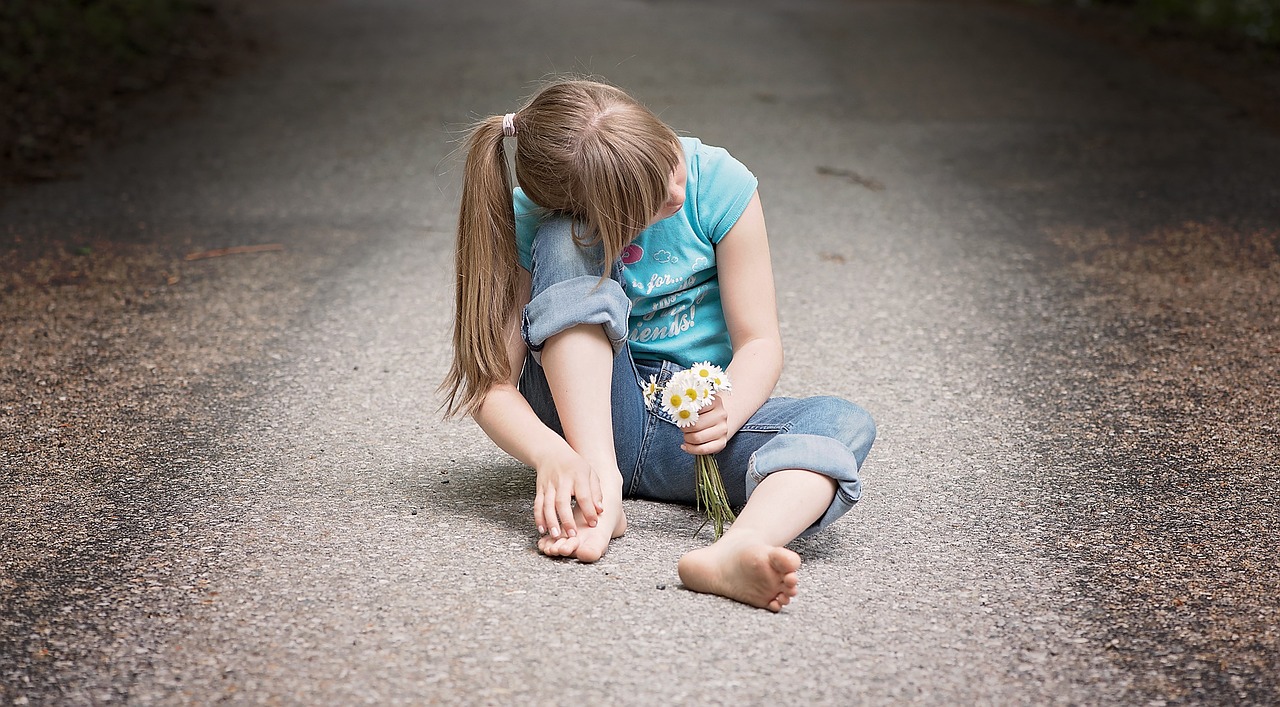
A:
(762, 576)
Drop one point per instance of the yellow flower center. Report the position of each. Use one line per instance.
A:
(675, 400)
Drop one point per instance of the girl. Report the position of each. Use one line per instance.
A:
(628, 253)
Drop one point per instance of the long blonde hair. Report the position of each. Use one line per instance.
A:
(585, 150)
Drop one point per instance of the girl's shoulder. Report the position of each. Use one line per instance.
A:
(708, 160)
(718, 188)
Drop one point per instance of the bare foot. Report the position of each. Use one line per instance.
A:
(590, 544)
(753, 573)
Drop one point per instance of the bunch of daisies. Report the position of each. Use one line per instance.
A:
(686, 393)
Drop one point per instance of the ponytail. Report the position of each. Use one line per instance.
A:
(485, 294)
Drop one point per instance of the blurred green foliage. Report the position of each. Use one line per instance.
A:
(1255, 20)
(64, 63)
(67, 40)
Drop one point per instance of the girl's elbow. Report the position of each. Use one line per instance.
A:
(773, 349)
(493, 398)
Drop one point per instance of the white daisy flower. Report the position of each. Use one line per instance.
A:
(719, 379)
(706, 396)
(651, 390)
(713, 375)
(703, 370)
(679, 406)
(691, 386)
(673, 399)
(685, 416)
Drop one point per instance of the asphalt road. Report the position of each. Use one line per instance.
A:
(1048, 269)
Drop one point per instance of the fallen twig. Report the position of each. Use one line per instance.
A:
(235, 250)
(868, 182)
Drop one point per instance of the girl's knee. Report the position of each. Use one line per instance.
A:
(842, 420)
(558, 256)
(568, 290)
(857, 425)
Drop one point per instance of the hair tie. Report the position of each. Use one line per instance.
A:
(509, 125)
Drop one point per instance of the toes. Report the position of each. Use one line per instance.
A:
(592, 546)
(557, 547)
(790, 585)
(784, 561)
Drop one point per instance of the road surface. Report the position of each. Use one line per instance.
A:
(1048, 268)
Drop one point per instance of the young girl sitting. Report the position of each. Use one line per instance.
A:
(628, 252)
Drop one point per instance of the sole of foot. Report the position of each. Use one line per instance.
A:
(762, 576)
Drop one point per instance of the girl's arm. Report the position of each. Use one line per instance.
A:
(506, 417)
(751, 313)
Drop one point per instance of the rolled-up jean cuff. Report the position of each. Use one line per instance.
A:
(821, 455)
(579, 300)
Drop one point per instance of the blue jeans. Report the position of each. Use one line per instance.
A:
(826, 435)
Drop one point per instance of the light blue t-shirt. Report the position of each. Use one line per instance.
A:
(669, 270)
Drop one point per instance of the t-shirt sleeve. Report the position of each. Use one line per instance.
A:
(725, 187)
(527, 220)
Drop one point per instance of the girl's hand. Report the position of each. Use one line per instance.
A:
(562, 478)
(711, 432)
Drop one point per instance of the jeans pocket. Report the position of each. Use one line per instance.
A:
(664, 370)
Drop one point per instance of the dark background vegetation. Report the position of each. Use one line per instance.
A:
(1235, 21)
(68, 67)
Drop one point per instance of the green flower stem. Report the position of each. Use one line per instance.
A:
(711, 496)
